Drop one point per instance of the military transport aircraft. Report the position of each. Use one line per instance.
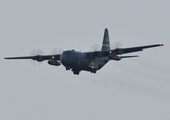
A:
(88, 61)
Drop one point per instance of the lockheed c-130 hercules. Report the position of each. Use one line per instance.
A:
(87, 61)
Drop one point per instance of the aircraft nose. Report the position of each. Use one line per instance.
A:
(63, 57)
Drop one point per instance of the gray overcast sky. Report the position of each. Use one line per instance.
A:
(137, 88)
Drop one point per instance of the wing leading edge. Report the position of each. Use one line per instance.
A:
(39, 58)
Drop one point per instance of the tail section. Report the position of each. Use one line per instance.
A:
(106, 43)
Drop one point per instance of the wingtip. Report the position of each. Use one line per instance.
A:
(161, 44)
(6, 58)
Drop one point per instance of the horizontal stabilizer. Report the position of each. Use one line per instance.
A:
(128, 56)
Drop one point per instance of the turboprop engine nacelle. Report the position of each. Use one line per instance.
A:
(54, 62)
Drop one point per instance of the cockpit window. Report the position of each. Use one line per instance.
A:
(67, 52)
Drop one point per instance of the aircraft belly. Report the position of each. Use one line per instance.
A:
(97, 63)
(102, 61)
(78, 63)
(73, 62)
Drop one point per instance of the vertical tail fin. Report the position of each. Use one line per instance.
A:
(106, 43)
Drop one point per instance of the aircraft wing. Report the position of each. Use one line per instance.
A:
(39, 58)
(120, 51)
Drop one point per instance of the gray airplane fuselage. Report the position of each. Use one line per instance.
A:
(77, 61)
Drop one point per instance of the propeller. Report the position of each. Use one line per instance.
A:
(56, 51)
(53, 61)
(95, 47)
(116, 45)
(37, 53)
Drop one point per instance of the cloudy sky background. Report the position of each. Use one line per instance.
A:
(136, 88)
